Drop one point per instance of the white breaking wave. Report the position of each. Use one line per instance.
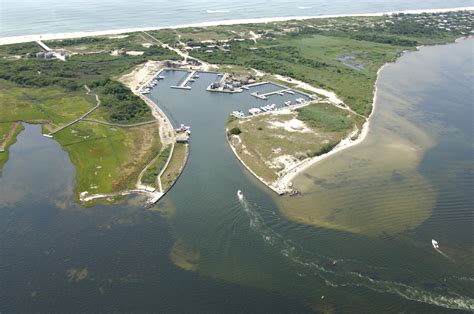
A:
(217, 11)
(313, 264)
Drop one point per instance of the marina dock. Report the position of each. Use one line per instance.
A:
(277, 92)
(190, 77)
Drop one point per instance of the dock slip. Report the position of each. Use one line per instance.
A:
(278, 92)
(191, 75)
(57, 55)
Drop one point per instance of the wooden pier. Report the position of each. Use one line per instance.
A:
(183, 84)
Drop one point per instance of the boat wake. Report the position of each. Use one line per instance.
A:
(436, 247)
(351, 272)
(444, 254)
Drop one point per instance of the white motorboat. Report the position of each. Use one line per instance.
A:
(435, 244)
(240, 195)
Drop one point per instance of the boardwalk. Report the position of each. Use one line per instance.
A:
(56, 54)
(78, 119)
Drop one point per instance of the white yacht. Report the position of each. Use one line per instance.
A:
(435, 244)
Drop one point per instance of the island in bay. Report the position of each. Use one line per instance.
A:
(303, 90)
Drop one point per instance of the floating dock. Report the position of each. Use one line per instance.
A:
(186, 81)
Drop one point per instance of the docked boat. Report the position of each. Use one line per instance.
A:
(254, 111)
(435, 244)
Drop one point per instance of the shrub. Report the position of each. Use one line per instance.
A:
(235, 131)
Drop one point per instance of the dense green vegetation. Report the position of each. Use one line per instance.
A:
(326, 148)
(18, 49)
(53, 105)
(168, 36)
(5, 128)
(176, 165)
(235, 131)
(120, 104)
(310, 50)
(96, 70)
(326, 117)
(120, 43)
(150, 175)
(314, 59)
(107, 159)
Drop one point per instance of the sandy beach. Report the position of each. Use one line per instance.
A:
(283, 183)
(58, 36)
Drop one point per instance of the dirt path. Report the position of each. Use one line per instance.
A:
(204, 65)
(118, 124)
(332, 97)
(9, 136)
(136, 80)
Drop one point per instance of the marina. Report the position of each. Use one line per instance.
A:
(280, 95)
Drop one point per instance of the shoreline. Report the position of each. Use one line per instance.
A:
(344, 144)
(282, 184)
(58, 36)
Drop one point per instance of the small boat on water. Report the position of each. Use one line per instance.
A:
(435, 244)
(240, 195)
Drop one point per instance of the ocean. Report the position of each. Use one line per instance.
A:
(33, 17)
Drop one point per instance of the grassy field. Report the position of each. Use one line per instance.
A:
(107, 158)
(38, 105)
(267, 142)
(175, 166)
(5, 128)
(328, 118)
